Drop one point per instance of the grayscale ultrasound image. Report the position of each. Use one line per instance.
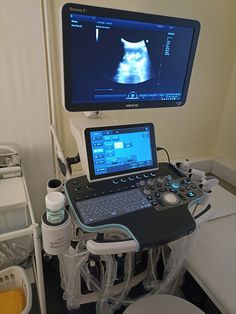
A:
(135, 66)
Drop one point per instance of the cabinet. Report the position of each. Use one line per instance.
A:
(17, 220)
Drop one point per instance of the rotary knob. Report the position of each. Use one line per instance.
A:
(170, 198)
(168, 177)
(146, 191)
(150, 182)
(142, 183)
(160, 180)
(175, 184)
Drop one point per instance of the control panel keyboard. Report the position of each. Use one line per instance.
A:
(163, 189)
(112, 205)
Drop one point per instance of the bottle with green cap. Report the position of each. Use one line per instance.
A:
(55, 207)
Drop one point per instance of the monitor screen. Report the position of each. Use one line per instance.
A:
(118, 150)
(117, 59)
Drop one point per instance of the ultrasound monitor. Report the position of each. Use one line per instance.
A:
(117, 59)
(114, 151)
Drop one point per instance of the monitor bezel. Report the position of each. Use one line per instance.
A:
(88, 149)
(130, 15)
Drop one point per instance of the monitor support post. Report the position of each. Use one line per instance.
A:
(93, 114)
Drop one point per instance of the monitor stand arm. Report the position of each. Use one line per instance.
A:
(93, 114)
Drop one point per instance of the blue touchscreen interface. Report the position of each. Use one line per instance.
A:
(121, 149)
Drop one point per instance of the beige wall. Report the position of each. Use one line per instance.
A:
(24, 114)
(192, 130)
(226, 143)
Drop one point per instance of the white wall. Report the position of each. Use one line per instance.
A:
(192, 130)
(226, 143)
(24, 115)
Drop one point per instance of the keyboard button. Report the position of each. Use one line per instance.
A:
(157, 194)
(111, 205)
(131, 178)
(163, 190)
(191, 194)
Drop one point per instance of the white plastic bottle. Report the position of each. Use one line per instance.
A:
(55, 207)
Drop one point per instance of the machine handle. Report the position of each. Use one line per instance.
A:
(107, 248)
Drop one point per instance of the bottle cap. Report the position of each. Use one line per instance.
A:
(55, 200)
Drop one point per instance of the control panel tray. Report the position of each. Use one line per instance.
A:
(168, 192)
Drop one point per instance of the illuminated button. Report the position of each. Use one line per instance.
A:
(191, 194)
(153, 174)
(138, 176)
(175, 185)
(187, 180)
(146, 175)
(131, 178)
(115, 181)
(123, 180)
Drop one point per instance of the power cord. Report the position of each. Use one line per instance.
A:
(167, 154)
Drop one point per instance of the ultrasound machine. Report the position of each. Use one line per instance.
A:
(115, 60)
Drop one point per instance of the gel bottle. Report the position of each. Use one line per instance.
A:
(55, 207)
